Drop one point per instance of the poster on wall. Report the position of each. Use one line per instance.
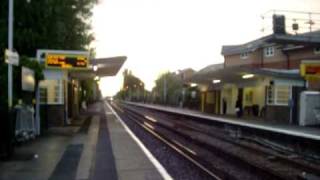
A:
(27, 79)
(310, 68)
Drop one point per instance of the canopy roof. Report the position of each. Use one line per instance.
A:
(105, 67)
(234, 74)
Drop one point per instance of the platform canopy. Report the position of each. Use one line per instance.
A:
(100, 67)
(235, 75)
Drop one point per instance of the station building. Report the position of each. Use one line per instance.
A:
(264, 74)
(58, 94)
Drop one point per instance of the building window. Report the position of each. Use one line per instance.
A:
(244, 55)
(316, 50)
(51, 92)
(278, 95)
(43, 95)
(269, 51)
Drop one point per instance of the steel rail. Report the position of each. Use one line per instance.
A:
(178, 148)
(265, 172)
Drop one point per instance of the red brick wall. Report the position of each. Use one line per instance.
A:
(235, 60)
(278, 61)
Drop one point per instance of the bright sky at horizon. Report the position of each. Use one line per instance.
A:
(161, 35)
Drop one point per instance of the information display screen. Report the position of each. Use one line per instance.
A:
(66, 61)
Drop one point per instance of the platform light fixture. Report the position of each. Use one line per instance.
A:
(95, 68)
(193, 84)
(247, 76)
(216, 81)
(97, 78)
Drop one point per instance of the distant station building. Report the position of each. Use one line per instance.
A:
(264, 75)
(58, 94)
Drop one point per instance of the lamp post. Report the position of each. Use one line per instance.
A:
(165, 89)
(10, 47)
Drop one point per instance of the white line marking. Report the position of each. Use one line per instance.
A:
(154, 161)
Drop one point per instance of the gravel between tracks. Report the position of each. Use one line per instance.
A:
(281, 166)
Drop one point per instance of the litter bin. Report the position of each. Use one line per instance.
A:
(255, 110)
(25, 124)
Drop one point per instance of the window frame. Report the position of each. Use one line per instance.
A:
(273, 99)
(316, 50)
(58, 92)
(244, 55)
(269, 51)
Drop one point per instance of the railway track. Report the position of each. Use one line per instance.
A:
(164, 130)
(178, 148)
(264, 154)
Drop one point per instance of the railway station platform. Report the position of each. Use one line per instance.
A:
(312, 133)
(103, 147)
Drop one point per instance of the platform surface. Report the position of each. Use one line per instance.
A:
(102, 148)
(130, 159)
(294, 130)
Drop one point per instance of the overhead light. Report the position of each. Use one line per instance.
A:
(95, 68)
(215, 81)
(247, 76)
(193, 84)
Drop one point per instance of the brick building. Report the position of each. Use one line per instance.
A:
(263, 74)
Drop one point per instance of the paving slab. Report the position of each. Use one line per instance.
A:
(104, 163)
(89, 141)
(24, 166)
(67, 167)
(132, 163)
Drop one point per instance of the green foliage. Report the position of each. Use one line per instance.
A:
(42, 24)
(133, 87)
(130, 81)
(33, 65)
(173, 85)
(16, 75)
(89, 89)
(48, 24)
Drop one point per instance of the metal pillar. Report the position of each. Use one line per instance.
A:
(10, 46)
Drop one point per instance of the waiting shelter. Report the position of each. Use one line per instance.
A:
(57, 98)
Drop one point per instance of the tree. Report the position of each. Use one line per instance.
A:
(48, 24)
(44, 24)
(132, 89)
(168, 88)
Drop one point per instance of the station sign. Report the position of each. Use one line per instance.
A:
(27, 79)
(310, 69)
(11, 57)
(66, 61)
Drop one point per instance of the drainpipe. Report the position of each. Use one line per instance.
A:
(262, 58)
(287, 58)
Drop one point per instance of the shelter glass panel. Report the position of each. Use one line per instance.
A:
(278, 95)
(51, 92)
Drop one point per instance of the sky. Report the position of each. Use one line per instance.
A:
(168, 35)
